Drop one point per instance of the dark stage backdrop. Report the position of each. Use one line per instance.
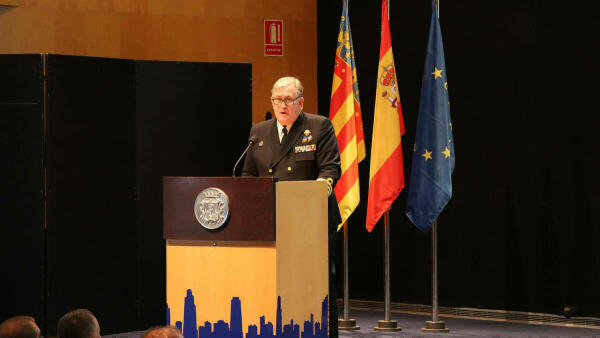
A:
(114, 128)
(21, 187)
(521, 231)
(91, 254)
(192, 119)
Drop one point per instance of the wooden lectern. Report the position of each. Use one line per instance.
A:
(263, 273)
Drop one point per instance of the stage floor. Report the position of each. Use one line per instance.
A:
(411, 327)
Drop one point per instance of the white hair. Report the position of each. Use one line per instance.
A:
(289, 80)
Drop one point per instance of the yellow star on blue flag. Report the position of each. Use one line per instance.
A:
(430, 184)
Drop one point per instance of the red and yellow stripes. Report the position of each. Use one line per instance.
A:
(345, 115)
(386, 177)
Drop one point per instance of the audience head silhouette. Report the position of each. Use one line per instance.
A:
(19, 327)
(163, 332)
(79, 323)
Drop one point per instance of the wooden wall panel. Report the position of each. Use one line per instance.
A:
(185, 30)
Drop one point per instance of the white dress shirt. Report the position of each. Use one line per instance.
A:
(280, 130)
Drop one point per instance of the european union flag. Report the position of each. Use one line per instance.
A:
(430, 185)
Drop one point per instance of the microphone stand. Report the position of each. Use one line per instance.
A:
(251, 142)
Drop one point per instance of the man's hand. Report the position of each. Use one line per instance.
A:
(329, 182)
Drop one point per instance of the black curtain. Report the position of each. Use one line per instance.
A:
(520, 232)
(192, 119)
(110, 130)
(21, 187)
(90, 111)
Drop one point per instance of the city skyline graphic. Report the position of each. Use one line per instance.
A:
(233, 329)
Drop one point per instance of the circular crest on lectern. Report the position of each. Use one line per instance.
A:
(212, 208)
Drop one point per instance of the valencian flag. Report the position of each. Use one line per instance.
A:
(386, 178)
(430, 186)
(345, 115)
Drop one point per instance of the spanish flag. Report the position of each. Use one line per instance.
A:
(345, 115)
(386, 177)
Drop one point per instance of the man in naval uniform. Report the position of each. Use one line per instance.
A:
(299, 146)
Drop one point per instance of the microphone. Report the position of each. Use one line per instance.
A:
(251, 142)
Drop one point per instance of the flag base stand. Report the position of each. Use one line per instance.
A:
(431, 326)
(387, 325)
(347, 324)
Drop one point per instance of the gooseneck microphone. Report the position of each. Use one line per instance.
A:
(251, 142)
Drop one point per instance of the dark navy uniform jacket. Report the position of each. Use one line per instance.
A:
(308, 152)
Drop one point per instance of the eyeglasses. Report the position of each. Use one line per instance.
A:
(288, 100)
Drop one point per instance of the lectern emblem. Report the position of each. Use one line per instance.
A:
(211, 208)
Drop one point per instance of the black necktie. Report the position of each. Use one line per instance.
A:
(285, 132)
